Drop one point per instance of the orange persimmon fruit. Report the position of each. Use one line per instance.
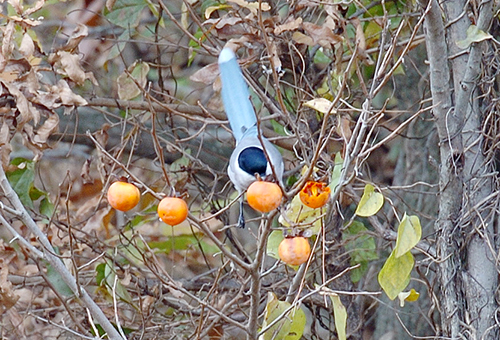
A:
(264, 196)
(172, 210)
(123, 196)
(294, 250)
(315, 194)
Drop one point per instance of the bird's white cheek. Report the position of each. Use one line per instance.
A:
(240, 178)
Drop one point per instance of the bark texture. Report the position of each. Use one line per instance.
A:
(465, 229)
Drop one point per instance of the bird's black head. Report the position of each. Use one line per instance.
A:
(253, 161)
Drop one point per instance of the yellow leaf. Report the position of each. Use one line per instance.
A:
(395, 274)
(322, 105)
(474, 35)
(211, 9)
(409, 233)
(289, 327)
(340, 316)
(252, 6)
(297, 213)
(410, 296)
(370, 202)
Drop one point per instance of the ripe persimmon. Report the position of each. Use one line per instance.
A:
(172, 210)
(294, 250)
(123, 196)
(315, 194)
(264, 196)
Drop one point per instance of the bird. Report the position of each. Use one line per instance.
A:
(252, 155)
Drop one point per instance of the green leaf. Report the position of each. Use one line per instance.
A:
(321, 58)
(118, 47)
(395, 274)
(360, 245)
(100, 273)
(340, 316)
(46, 207)
(298, 213)
(361, 248)
(57, 282)
(22, 180)
(126, 13)
(337, 170)
(409, 233)
(474, 35)
(289, 327)
(184, 242)
(273, 243)
(113, 282)
(358, 272)
(370, 202)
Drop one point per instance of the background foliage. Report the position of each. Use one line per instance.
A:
(96, 90)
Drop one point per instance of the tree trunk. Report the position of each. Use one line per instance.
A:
(466, 249)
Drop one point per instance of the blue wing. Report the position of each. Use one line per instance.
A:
(235, 95)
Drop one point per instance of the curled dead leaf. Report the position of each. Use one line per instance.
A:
(5, 147)
(27, 46)
(80, 32)
(207, 74)
(252, 6)
(26, 109)
(70, 65)
(66, 95)
(7, 45)
(43, 133)
(221, 23)
(291, 25)
(321, 35)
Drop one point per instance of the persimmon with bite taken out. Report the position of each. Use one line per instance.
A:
(315, 194)
(123, 196)
(264, 196)
(172, 210)
(294, 251)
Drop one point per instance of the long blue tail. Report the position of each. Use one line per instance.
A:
(235, 95)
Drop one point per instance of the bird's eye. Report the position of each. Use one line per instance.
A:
(252, 160)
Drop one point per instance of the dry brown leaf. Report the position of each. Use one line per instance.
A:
(79, 33)
(221, 23)
(7, 297)
(27, 46)
(17, 6)
(7, 43)
(132, 82)
(35, 8)
(70, 65)
(344, 129)
(67, 96)
(25, 22)
(252, 6)
(322, 105)
(110, 4)
(291, 25)
(13, 68)
(321, 35)
(27, 111)
(275, 58)
(308, 3)
(43, 133)
(360, 35)
(85, 173)
(301, 38)
(5, 147)
(207, 74)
